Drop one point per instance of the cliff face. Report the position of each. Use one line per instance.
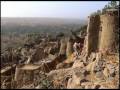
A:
(96, 58)
(95, 68)
(63, 47)
(109, 33)
(102, 33)
(93, 30)
(69, 49)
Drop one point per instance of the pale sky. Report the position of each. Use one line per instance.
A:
(58, 9)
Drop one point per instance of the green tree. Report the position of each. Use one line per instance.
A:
(113, 4)
(99, 12)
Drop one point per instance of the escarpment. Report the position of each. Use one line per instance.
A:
(98, 64)
(93, 34)
(109, 37)
(102, 33)
(53, 63)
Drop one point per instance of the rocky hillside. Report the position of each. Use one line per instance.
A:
(53, 64)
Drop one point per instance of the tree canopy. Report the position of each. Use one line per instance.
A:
(110, 5)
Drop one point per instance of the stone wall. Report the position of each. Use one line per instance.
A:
(93, 34)
(24, 74)
(109, 33)
(63, 47)
(69, 49)
(102, 33)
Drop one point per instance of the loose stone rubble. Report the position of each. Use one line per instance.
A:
(53, 65)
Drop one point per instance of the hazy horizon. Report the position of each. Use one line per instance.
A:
(50, 9)
(42, 17)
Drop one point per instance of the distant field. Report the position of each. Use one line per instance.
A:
(14, 29)
(42, 25)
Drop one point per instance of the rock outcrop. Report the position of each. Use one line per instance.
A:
(69, 49)
(50, 65)
(63, 46)
(109, 37)
(93, 30)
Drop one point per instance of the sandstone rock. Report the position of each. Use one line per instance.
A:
(7, 85)
(69, 86)
(117, 70)
(83, 81)
(61, 73)
(60, 76)
(92, 57)
(111, 69)
(97, 69)
(99, 65)
(31, 86)
(110, 78)
(70, 59)
(64, 65)
(78, 64)
(103, 87)
(91, 70)
(96, 86)
(73, 85)
(90, 66)
(69, 49)
(51, 56)
(63, 47)
(88, 85)
(99, 75)
(106, 72)
(110, 66)
(78, 77)
(38, 87)
(60, 66)
(112, 72)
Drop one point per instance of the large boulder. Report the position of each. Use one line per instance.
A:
(79, 75)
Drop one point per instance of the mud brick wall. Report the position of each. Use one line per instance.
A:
(69, 49)
(109, 33)
(63, 47)
(93, 34)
